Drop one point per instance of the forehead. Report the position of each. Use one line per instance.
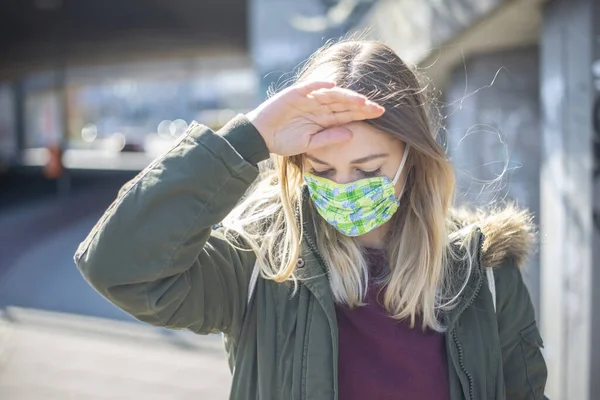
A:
(366, 140)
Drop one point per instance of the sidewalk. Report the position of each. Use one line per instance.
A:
(21, 226)
(60, 340)
(48, 355)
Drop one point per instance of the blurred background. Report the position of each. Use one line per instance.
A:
(91, 91)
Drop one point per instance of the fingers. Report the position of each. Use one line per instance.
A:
(344, 117)
(340, 100)
(319, 96)
(337, 95)
(327, 117)
(328, 105)
(308, 87)
(328, 137)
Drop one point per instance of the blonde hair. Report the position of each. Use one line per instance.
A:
(419, 245)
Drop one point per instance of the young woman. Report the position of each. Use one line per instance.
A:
(341, 270)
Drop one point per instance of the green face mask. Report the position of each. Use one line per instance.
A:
(358, 207)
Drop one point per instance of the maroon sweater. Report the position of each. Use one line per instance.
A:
(382, 358)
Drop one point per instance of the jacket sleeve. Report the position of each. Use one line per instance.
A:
(524, 368)
(154, 254)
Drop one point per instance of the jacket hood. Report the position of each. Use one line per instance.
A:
(509, 233)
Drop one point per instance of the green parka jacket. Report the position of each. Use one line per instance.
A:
(154, 253)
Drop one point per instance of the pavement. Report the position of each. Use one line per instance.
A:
(59, 339)
(56, 356)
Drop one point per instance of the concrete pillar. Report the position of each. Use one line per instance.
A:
(493, 134)
(570, 246)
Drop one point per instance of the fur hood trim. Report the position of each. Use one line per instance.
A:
(509, 233)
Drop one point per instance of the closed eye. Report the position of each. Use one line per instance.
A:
(323, 174)
(370, 174)
(365, 174)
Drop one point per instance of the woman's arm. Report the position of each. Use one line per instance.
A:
(153, 252)
(525, 371)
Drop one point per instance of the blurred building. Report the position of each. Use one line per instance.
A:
(130, 107)
(112, 84)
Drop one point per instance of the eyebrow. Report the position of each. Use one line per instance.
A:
(357, 161)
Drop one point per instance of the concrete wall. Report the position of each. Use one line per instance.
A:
(493, 133)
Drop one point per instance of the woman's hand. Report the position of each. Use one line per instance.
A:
(309, 115)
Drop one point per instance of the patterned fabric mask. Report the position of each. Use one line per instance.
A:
(358, 207)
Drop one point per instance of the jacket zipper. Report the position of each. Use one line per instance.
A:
(462, 365)
(313, 248)
(317, 254)
(311, 244)
(455, 337)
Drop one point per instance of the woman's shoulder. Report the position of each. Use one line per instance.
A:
(498, 239)
(507, 234)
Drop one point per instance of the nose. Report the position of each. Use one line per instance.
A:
(343, 177)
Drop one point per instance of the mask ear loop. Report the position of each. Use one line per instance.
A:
(400, 168)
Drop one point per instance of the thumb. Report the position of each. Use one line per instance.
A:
(329, 136)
